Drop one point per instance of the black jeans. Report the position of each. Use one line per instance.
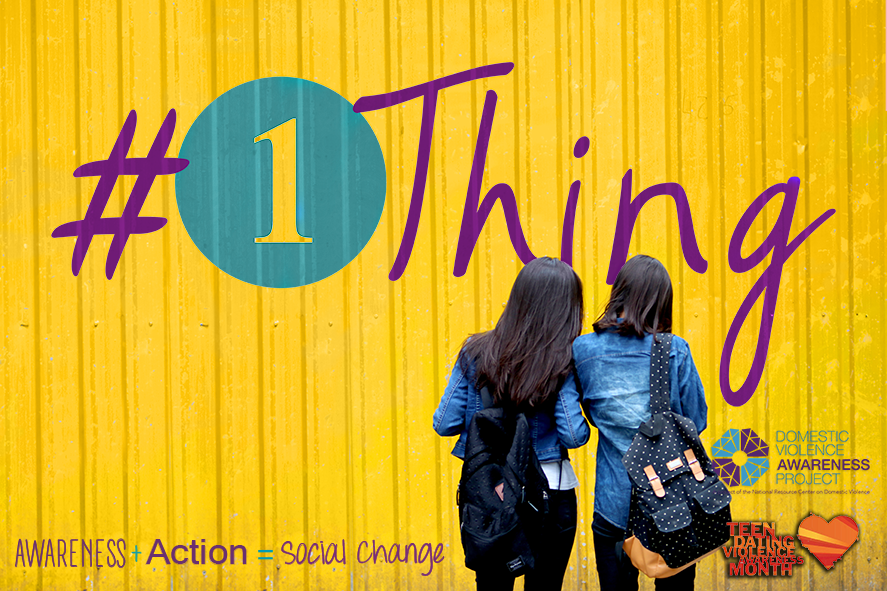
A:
(614, 568)
(559, 533)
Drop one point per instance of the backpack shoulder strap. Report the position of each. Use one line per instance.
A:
(660, 379)
(486, 398)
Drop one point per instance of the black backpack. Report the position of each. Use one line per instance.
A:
(679, 508)
(503, 492)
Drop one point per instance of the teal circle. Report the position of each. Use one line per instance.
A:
(225, 194)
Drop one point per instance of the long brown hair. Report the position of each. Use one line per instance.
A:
(642, 295)
(526, 357)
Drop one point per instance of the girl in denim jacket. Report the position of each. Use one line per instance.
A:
(613, 366)
(526, 361)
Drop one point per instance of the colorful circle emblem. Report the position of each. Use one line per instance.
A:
(740, 457)
(286, 183)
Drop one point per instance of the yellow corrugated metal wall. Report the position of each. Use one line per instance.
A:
(176, 402)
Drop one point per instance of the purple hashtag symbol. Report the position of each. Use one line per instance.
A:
(108, 170)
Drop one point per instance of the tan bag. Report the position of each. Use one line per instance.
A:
(652, 564)
(679, 509)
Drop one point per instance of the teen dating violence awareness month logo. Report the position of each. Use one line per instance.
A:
(740, 457)
(828, 541)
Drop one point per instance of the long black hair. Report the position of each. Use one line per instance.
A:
(526, 357)
(642, 296)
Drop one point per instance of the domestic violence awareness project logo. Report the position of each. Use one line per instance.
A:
(817, 458)
(740, 457)
(804, 458)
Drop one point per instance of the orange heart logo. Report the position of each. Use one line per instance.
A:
(828, 540)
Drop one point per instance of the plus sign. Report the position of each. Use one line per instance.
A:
(136, 553)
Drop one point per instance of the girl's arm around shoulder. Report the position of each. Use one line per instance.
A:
(449, 418)
(572, 428)
(692, 395)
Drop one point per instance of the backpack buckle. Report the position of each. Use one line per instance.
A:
(655, 482)
(698, 474)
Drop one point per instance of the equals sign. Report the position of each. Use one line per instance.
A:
(268, 552)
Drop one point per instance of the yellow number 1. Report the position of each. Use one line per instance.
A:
(283, 207)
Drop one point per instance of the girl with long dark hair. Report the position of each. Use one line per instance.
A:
(613, 367)
(525, 362)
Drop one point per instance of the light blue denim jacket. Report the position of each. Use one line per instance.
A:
(614, 371)
(550, 432)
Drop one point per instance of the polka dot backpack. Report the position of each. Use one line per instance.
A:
(679, 507)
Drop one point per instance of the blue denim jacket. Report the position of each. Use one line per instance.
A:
(614, 371)
(550, 432)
